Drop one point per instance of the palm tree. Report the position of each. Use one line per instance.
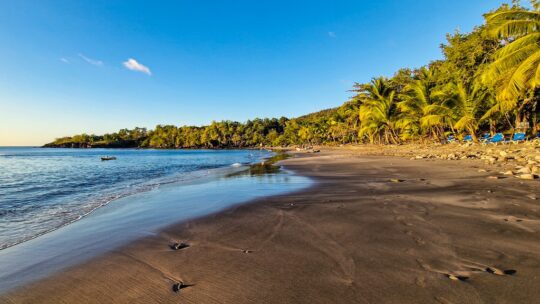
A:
(515, 70)
(351, 120)
(377, 112)
(464, 104)
(420, 112)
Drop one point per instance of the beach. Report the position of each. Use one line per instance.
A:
(371, 229)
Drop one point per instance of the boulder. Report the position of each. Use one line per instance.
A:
(527, 176)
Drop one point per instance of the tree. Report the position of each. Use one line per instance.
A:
(515, 71)
(377, 112)
(420, 112)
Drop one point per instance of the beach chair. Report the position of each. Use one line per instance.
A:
(451, 138)
(467, 138)
(497, 138)
(485, 137)
(518, 137)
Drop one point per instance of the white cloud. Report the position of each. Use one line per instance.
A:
(132, 64)
(64, 60)
(332, 34)
(91, 61)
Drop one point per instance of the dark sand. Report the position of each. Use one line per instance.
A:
(355, 237)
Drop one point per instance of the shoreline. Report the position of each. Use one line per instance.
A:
(116, 197)
(134, 189)
(349, 237)
(134, 217)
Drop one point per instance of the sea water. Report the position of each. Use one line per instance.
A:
(59, 207)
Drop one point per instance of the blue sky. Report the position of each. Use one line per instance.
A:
(66, 68)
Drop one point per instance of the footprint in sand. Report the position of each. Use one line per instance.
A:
(419, 241)
(513, 219)
(420, 281)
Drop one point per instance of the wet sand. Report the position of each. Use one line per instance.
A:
(372, 230)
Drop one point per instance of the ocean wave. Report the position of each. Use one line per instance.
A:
(86, 208)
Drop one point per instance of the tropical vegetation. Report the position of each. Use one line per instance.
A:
(488, 81)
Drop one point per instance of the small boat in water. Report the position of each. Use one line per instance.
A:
(108, 158)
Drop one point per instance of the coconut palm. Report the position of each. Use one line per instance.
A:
(515, 70)
(377, 112)
(464, 103)
(420, 112)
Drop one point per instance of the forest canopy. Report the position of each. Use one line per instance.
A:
(488, 81)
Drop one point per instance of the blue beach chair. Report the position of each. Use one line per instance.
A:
(485, 137)
(497, 138)
(450, 138)
(467, 138)
(518, 137)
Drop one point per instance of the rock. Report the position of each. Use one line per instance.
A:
(532, 196)
(509, 172)
(503, 153)
(179, 246)
(493, 177)
(494, 270)
(178, 286)
(457, 277)
(395, 180)
(524, 170)
(482, 170)
(535, 170)
(492, 160)
(527, 176)
(420, 156)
